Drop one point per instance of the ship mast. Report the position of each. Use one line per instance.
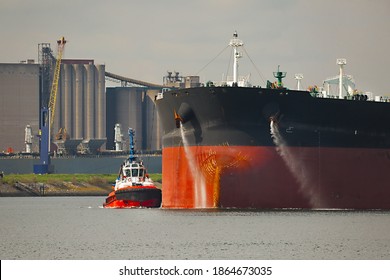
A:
(298, 77)
(235, 43)
(280, 76)
(341, 62)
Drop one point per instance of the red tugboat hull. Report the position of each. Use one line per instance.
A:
(131, 197)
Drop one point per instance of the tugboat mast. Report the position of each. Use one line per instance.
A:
(235, 43)
(132, 156)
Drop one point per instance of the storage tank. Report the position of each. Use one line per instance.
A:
(124, 106)
(101, 102)
(135, 115)
(89, 123)
(67, 98)
(81, 102)
(152, 124)
(78, 101)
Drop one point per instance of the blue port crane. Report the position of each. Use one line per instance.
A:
(47, 117)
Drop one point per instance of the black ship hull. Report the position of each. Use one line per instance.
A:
(273, 148)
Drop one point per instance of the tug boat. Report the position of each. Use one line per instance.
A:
(133, 187)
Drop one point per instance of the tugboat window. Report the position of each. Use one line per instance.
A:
(134, 172)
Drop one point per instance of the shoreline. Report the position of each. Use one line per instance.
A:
(25, 185)
(65, 189)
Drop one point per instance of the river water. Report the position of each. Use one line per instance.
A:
(79, 228)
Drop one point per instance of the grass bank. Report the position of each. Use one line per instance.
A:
(60, 184)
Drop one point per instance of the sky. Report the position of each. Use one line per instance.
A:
(145, 39)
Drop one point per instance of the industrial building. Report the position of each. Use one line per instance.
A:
(86, 112)
(81, 106)
(175, 80)
(19, 104)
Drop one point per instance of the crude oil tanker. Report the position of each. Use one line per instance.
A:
(252, 147)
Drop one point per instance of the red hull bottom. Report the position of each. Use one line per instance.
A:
(276, 177)
(116, 203)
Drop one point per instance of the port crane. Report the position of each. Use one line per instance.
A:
(54, 87)
(47, 117)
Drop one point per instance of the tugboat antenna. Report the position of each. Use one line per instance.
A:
(132, 156)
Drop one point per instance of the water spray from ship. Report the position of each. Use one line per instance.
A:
(207, 168)
(197, 176)
(296, 167)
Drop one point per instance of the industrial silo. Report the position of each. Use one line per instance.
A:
(135, 115)
(152, 123)
(125, 107)
(81, 102)
(89, 101)
(67, 99)
(101, 102)
(78, 101)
